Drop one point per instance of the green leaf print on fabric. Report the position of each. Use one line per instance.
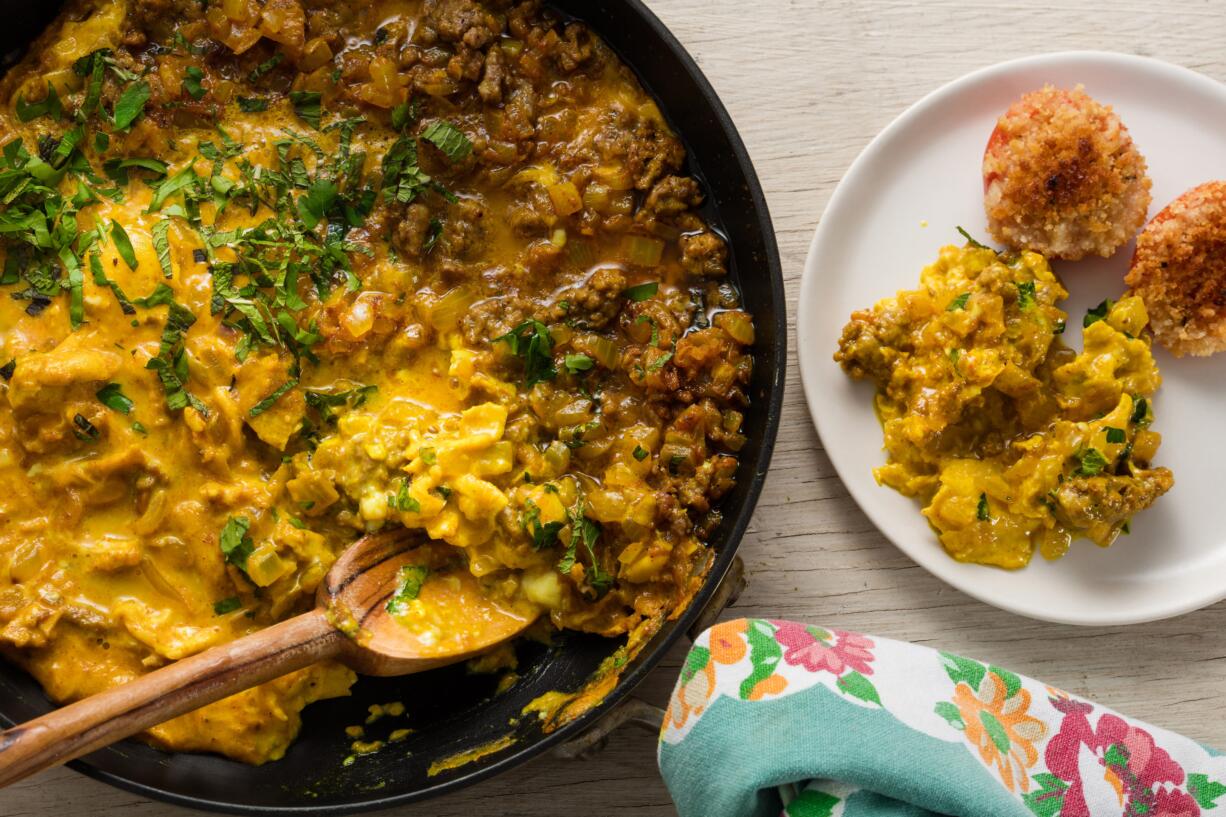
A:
(961, 669)
(951, 714)
(812, 803)
(764, 655)
(857, 686)
(1049, 799)
(995, 729)
(1205, 791)
(1011, 681)
(698, 658)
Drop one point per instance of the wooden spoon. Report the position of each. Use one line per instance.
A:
(350, 623)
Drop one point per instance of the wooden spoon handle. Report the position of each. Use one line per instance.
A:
(102, 719)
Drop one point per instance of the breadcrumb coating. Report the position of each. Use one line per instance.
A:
(1062, 177)
(1179, 270)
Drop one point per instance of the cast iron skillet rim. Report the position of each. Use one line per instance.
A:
(647, 661)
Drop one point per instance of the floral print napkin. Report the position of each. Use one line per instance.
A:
(783, 718)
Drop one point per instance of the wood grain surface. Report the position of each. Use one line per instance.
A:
(809, 82)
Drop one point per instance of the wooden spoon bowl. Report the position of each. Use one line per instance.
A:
(454, 620)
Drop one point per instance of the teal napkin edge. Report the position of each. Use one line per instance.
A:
(750, 753)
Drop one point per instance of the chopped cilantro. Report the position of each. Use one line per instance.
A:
(6, 371)
(266, 66)
(958, 302)
(191, 82)
(1140, 411)
(123, 244)
(404, 114)
(50, 105)
(267, 403)
(85, 430)
(409, 581)
(130, 105)
(227, 605)
(641, 453)
(1098, 313)
(236, 545)
(251, 104)
(660, 362)
(449, 139)
(1091, 462)
(1115, 435)
(544, 535)
(401, 501)
(981, 510)
(428, 456)
(111, 395)
(161, 244)
(1025, 295)
(971, 241)
(307, 106)
(642, 292)
(532, 343)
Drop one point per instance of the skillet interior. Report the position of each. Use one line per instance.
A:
(450, 711)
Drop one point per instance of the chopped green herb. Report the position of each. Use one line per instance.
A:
(6, 371)
(588, 532)
(161, 295)
(139, 428)
(1091, 463)
(85, 430)
(111, 395)
(578, 363)
(404, 114)
(449, 139)
(428, 456)
(161, 244)
(266, 66)
(1059, 328)
(123, 244)
(1025, 295)
(969, 240)
(1098, 313)
(307, 106)
(532, 343)
(50, 104)
(267, 403)
(543, 535)
(191, 82)
(981, 510)
(227, 605)
(443, 491)
(641, 453)
(660, 362)
(236, 545)
(433, 234)
(958, 302)
(251, 104)
(409, 581)
(642, 292)
(1115, 435)
(130, 105)
(118, 169)
(401, 501)
(1140, 411)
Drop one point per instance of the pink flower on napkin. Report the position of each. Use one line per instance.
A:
(1135, 768)
(810, 647)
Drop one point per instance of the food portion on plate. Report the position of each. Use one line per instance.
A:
(1179, 268)
(1012, 441)
(1062, 177)
(277, 274)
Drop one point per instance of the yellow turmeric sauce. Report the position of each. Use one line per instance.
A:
(1012, 441)
(278, 274)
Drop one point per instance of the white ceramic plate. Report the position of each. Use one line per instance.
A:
(924, 169)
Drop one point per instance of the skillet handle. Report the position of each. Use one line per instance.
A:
(634, 710)
(99, 720)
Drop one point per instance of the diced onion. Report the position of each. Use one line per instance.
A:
(606, 353)
(738, 325)
(615, 176)
(449, 309)
(642, 250)
(565, 197)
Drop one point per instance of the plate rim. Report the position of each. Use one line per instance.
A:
(809, 348)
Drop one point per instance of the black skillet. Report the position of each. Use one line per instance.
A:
(450, 711)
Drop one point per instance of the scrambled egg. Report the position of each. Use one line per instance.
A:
(1010, 439)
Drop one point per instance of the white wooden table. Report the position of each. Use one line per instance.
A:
(809, 82)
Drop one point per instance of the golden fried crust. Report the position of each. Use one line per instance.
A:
(1062, 177)
(1179, 270)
